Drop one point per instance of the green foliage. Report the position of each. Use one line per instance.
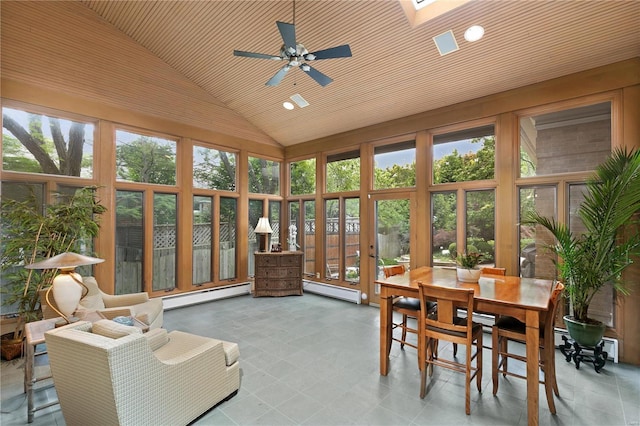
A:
(468, 259)
(28, 235)
(264, 176)
(303, 177)
(472, 166)
(599, 255)
(343, 175)
(146, 160)
(217, 170)
(53, 155)
(395, 176)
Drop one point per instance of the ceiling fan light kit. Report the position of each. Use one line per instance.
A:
(296, 55)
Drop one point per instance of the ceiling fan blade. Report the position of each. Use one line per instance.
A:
(256, 55)
(288, 33)
(277, 78)
(343, 51)
(320, 78)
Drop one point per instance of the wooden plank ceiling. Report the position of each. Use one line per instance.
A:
(395, 70)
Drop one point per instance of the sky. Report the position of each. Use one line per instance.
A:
(405, 157)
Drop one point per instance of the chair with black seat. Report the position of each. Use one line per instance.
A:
(486, 271)
(408, 307)
(445, 324)
(508, 328)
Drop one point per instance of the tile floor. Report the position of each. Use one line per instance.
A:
(312, 360)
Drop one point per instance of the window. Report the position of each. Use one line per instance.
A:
(444, 217)
(465, 155)
(202, 240)
(214, 169)
(264, 176)
(332, 238)
(147, 159)
(395, 165)
(570, 140)
(481, 224)
(255, 213)
(274, 221)
(38, 143)
(294, 225)
(342, 239)
(351, 246)
(308, 236)
(343, 172)
(535, 260)
(228, 236)
(165, 223)
(129, 242)
(303, 177)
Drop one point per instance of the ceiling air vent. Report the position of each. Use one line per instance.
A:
(446, 43)
(299, 100)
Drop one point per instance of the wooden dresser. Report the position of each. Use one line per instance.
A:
(278, 274)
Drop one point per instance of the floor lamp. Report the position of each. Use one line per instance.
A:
(263, 229)
(67, 287)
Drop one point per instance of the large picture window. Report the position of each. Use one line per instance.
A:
(39, 143)
(148, 159)
(343, 172)
(464, 155)
(264, 176)
(214, 169)
(394, 165)
(570, 140)
(303, 176)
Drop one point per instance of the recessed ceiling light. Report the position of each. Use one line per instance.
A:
(287, 105)
(474, 33)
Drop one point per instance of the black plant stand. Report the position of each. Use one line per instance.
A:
(572, 350)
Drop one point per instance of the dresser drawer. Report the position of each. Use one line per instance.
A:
(291, 261)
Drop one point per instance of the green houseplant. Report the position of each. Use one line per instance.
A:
(467, 266)
(598, 256)
(28, 235)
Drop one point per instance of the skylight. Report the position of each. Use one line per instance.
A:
(419, 4)
(420, 11)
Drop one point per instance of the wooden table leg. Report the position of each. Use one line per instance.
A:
(386, 312)
(533, 354)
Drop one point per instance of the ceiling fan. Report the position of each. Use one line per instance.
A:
(296, 55)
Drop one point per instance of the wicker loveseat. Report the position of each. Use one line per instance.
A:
(109, 374)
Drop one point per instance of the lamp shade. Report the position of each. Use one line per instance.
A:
(263, 226)
(64, 260)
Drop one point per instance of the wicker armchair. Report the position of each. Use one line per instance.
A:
(149, 311)
(109, 374)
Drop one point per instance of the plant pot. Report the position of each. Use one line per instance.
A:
(468, 275)
(10, 348)
(585, 334)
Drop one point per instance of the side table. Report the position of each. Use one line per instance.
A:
(34, 336)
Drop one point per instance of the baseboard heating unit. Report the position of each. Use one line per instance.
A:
(202, 296)
(337, 292)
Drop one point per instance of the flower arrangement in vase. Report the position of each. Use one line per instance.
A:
(467, 266)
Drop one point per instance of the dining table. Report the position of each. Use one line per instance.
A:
(523, 298)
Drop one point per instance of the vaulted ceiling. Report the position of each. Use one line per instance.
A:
(396, 69)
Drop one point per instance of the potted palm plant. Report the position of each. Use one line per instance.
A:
(597, 257)
(28, 235)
